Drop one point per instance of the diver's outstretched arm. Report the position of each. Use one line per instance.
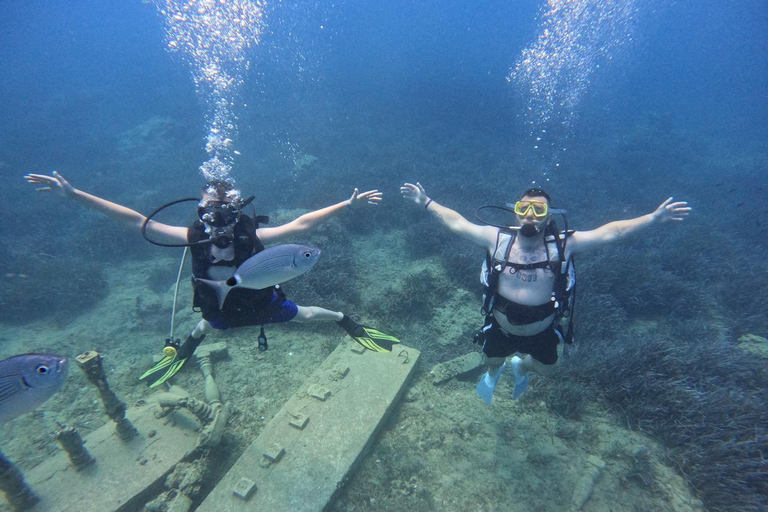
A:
(124, 216)
(613, 231)
(484, 236)
(311, 220)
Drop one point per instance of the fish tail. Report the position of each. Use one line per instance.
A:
(220, 287)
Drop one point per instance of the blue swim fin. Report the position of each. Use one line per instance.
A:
(487, 384)
(521, 379)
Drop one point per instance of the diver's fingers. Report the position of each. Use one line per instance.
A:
(42, 189)
(38, 178)
(666, 203)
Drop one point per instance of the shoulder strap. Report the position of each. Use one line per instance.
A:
(505, 262)
(495, 270)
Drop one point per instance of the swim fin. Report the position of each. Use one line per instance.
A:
(488, 383)
(173, 360)
(368, 337)
(521, 379)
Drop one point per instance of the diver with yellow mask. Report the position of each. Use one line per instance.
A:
(528, 278)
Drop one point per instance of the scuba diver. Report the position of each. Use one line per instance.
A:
(220, 241)
(529, 279)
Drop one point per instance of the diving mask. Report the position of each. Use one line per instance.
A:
(539, 209)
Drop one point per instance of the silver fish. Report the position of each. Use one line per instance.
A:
(28, 380)
(271, 266)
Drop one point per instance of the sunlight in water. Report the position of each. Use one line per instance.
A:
(214, 36)
(554, 73)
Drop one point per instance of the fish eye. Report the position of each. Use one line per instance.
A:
(307, 254)
(42, 369)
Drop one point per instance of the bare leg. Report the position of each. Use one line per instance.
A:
(521, 367)
(194, 339)
(201, 329)
(530, 364)
(316, 314)
(489, 379)
(493, 363)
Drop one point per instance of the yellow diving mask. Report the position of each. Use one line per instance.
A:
(539, 208)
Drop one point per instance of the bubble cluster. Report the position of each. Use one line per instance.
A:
(213, 37)
(555, 72)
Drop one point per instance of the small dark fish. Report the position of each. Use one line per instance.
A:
(271, 266)
(28, 380)
(732, 190)
(739, 205)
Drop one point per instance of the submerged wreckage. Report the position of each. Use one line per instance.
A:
(157, 450)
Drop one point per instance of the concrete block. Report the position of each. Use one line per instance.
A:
(299, 421)
(320, 392)
(274, 453)
(358, 348)
(244, 488)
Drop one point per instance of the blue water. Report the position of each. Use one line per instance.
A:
(76, 76)
(386, 92)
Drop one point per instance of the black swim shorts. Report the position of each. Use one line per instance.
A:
(542, 346)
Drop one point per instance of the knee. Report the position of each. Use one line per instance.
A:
(202, 328)
(547, 370)
(304, 314)
(493, 362)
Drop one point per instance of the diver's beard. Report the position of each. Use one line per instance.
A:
(529, 230)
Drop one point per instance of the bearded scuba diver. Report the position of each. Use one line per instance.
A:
(528, 276)
(541, 268)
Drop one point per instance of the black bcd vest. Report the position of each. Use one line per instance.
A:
(240, 301)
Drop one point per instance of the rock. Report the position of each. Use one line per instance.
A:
(455, 367)
(754, 344)
(585, 485)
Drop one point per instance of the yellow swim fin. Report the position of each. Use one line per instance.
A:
(172, 361)
(368, 337)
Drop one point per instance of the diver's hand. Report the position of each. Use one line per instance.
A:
(671, 211)
(56, 183)
(372, 197)
(415, 193)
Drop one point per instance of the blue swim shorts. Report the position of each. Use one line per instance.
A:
(277, 311)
